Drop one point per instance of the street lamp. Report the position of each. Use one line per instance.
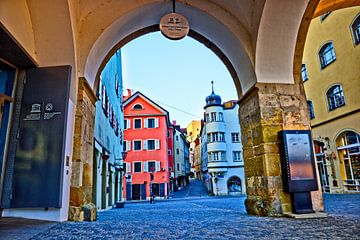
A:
(119, 166)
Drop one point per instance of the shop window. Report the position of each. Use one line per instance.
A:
(327, 55)
(234, 184)
(335, 97)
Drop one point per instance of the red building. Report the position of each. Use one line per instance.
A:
(146, 134)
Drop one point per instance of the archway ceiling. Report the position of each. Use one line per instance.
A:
(231, 25)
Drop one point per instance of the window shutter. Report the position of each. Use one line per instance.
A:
(146, 166)
(156, 122)
(128, 167)
(145, 144)
(157, 144)
(157, 166)
(127, 124)
(146, 122)
(128, 145)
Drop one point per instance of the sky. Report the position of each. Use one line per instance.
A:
(175, 74)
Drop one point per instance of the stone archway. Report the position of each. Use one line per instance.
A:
(262, 41)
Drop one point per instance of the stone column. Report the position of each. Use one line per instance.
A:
(83, 151)
(264, 111)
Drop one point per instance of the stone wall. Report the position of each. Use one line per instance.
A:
(267, 109)
(83, 148)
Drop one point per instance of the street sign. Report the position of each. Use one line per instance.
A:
(174, 26)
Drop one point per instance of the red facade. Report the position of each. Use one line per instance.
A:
(147, 144)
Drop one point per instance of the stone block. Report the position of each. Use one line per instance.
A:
(76, 214)
(90, 212)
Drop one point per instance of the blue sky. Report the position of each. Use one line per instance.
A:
(175, 73)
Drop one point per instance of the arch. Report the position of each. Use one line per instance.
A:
(355, 29)
(234, 184)
(325, 6)
(231, 45)
(343, 131)
(326, 54)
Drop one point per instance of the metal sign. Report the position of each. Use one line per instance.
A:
(174, 26)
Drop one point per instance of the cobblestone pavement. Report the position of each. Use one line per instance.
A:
(194, 189)
(212, 218)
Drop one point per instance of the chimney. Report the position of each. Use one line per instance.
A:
(174, 122)
(129, 93)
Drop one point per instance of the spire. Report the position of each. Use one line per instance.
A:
(212, 86)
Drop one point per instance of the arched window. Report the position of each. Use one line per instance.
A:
(327, 54)
(311, 109)
(335, 97)
(348, 146)
(138, 106)
(234, 184)
(356, 30)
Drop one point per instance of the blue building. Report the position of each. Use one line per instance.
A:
(109, 121)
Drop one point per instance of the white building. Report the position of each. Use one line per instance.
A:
(181, 157)
(222, 162)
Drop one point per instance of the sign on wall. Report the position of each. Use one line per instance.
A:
(40, 152)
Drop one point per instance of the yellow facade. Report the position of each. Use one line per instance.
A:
(328, 125)
(193, 130)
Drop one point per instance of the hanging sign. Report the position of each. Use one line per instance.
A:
(174, 26)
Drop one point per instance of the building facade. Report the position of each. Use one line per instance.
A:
(181, 156)
(109, 125)
(192, 133)
(222, 148)
(146, 142)
(331, 75)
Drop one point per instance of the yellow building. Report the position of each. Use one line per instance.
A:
(331, 75)
(193, 130)
(193, 137)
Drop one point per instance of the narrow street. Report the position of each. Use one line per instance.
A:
(202, 218)
(194, 189)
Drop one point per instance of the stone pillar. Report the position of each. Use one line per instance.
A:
(264, 111)
(82, 163)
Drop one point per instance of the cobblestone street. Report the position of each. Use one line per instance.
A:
(211, 218)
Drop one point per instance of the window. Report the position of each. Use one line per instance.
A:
(178, 166)
(327, 55)
(311, 109)
(137, 145)
(177, 151)
(335, 97)
(235, 137)
(304, 74)
(103, 98)
(151, 166)
(207, 117)
(126, 124)
(117, 86)
(138, 107)
(216, 156)
(151, 144)
(209, 137)
(137, 123)
(356, 30)
(213, 116)
(221, 117)
(237, 156)
(151, 122)
(325, 15)
(177, 138)
(137, 167)
(169, 152)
